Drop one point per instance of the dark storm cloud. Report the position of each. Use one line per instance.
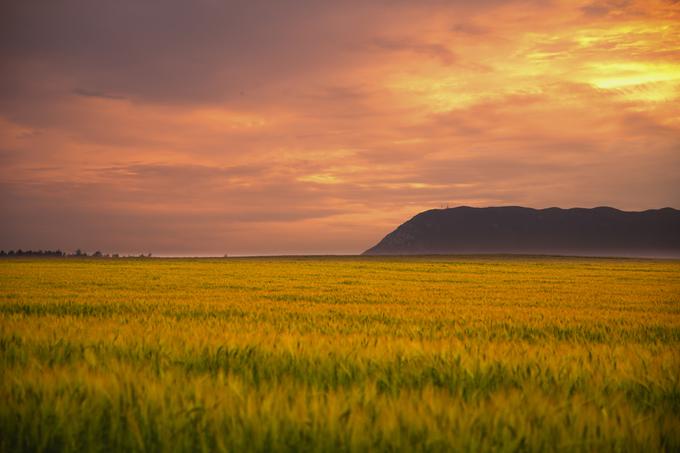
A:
(197, 51)
(177, 51)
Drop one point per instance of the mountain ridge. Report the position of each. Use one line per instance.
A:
(599, 231)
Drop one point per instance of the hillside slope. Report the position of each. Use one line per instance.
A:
(512, 229)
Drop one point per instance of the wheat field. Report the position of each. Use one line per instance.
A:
(340, 354)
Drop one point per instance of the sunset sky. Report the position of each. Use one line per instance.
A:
(271, 127)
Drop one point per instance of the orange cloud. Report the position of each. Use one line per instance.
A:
(277, 127)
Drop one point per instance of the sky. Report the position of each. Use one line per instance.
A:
(207, 127)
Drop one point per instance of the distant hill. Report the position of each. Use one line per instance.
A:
(599, 231)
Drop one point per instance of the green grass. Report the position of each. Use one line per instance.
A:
(340, 354)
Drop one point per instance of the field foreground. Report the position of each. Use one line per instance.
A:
(337, 354)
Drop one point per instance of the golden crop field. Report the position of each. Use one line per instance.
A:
(340, 354)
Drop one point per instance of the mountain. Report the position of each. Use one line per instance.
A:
(599, 231)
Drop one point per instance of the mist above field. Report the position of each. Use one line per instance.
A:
(294, 127)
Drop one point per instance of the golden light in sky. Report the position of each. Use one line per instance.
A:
(291, 127)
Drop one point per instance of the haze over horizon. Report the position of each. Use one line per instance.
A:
(262, 127)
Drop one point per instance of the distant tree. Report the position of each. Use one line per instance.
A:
(115, 255)
(97, 254)
(39, 252)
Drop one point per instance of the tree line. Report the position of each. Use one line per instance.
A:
(59, 254)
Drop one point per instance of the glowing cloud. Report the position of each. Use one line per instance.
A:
(283, 127)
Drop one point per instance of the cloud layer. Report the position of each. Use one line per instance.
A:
(254, 127)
